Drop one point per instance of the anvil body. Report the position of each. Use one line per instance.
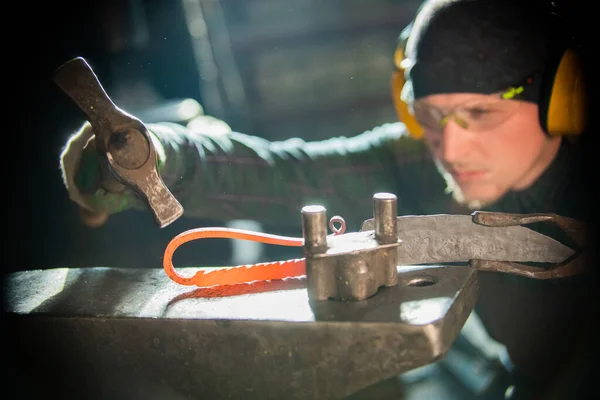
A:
(128, 333)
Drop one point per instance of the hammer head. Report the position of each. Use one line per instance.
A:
(122, 140)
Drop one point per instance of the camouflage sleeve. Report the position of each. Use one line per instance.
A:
(237, 176)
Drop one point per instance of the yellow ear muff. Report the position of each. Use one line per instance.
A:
(402, 109)
(566, 112)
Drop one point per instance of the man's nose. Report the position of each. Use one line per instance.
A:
(455, 142)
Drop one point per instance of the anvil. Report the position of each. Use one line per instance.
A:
(128, 333)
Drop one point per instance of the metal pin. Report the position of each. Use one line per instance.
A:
(385, 213)
(314, 229)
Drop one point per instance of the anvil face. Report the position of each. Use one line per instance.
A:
(127, 333)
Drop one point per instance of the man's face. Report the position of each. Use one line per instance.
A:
(486, 144)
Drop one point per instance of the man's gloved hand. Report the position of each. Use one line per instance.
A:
(88, 182)
(88, 185)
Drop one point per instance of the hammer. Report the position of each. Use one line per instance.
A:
(123, 142)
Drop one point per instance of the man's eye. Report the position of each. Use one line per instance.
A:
(477, 112)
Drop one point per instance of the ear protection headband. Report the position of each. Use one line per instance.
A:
(563, 100)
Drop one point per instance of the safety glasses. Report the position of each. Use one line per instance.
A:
(476, 115)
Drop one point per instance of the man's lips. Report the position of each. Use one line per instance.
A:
(468, 175)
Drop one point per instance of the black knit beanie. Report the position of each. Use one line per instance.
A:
(476, 46)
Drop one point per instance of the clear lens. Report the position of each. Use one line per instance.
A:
(475, 116)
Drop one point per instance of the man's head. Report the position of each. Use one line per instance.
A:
(466, 57)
